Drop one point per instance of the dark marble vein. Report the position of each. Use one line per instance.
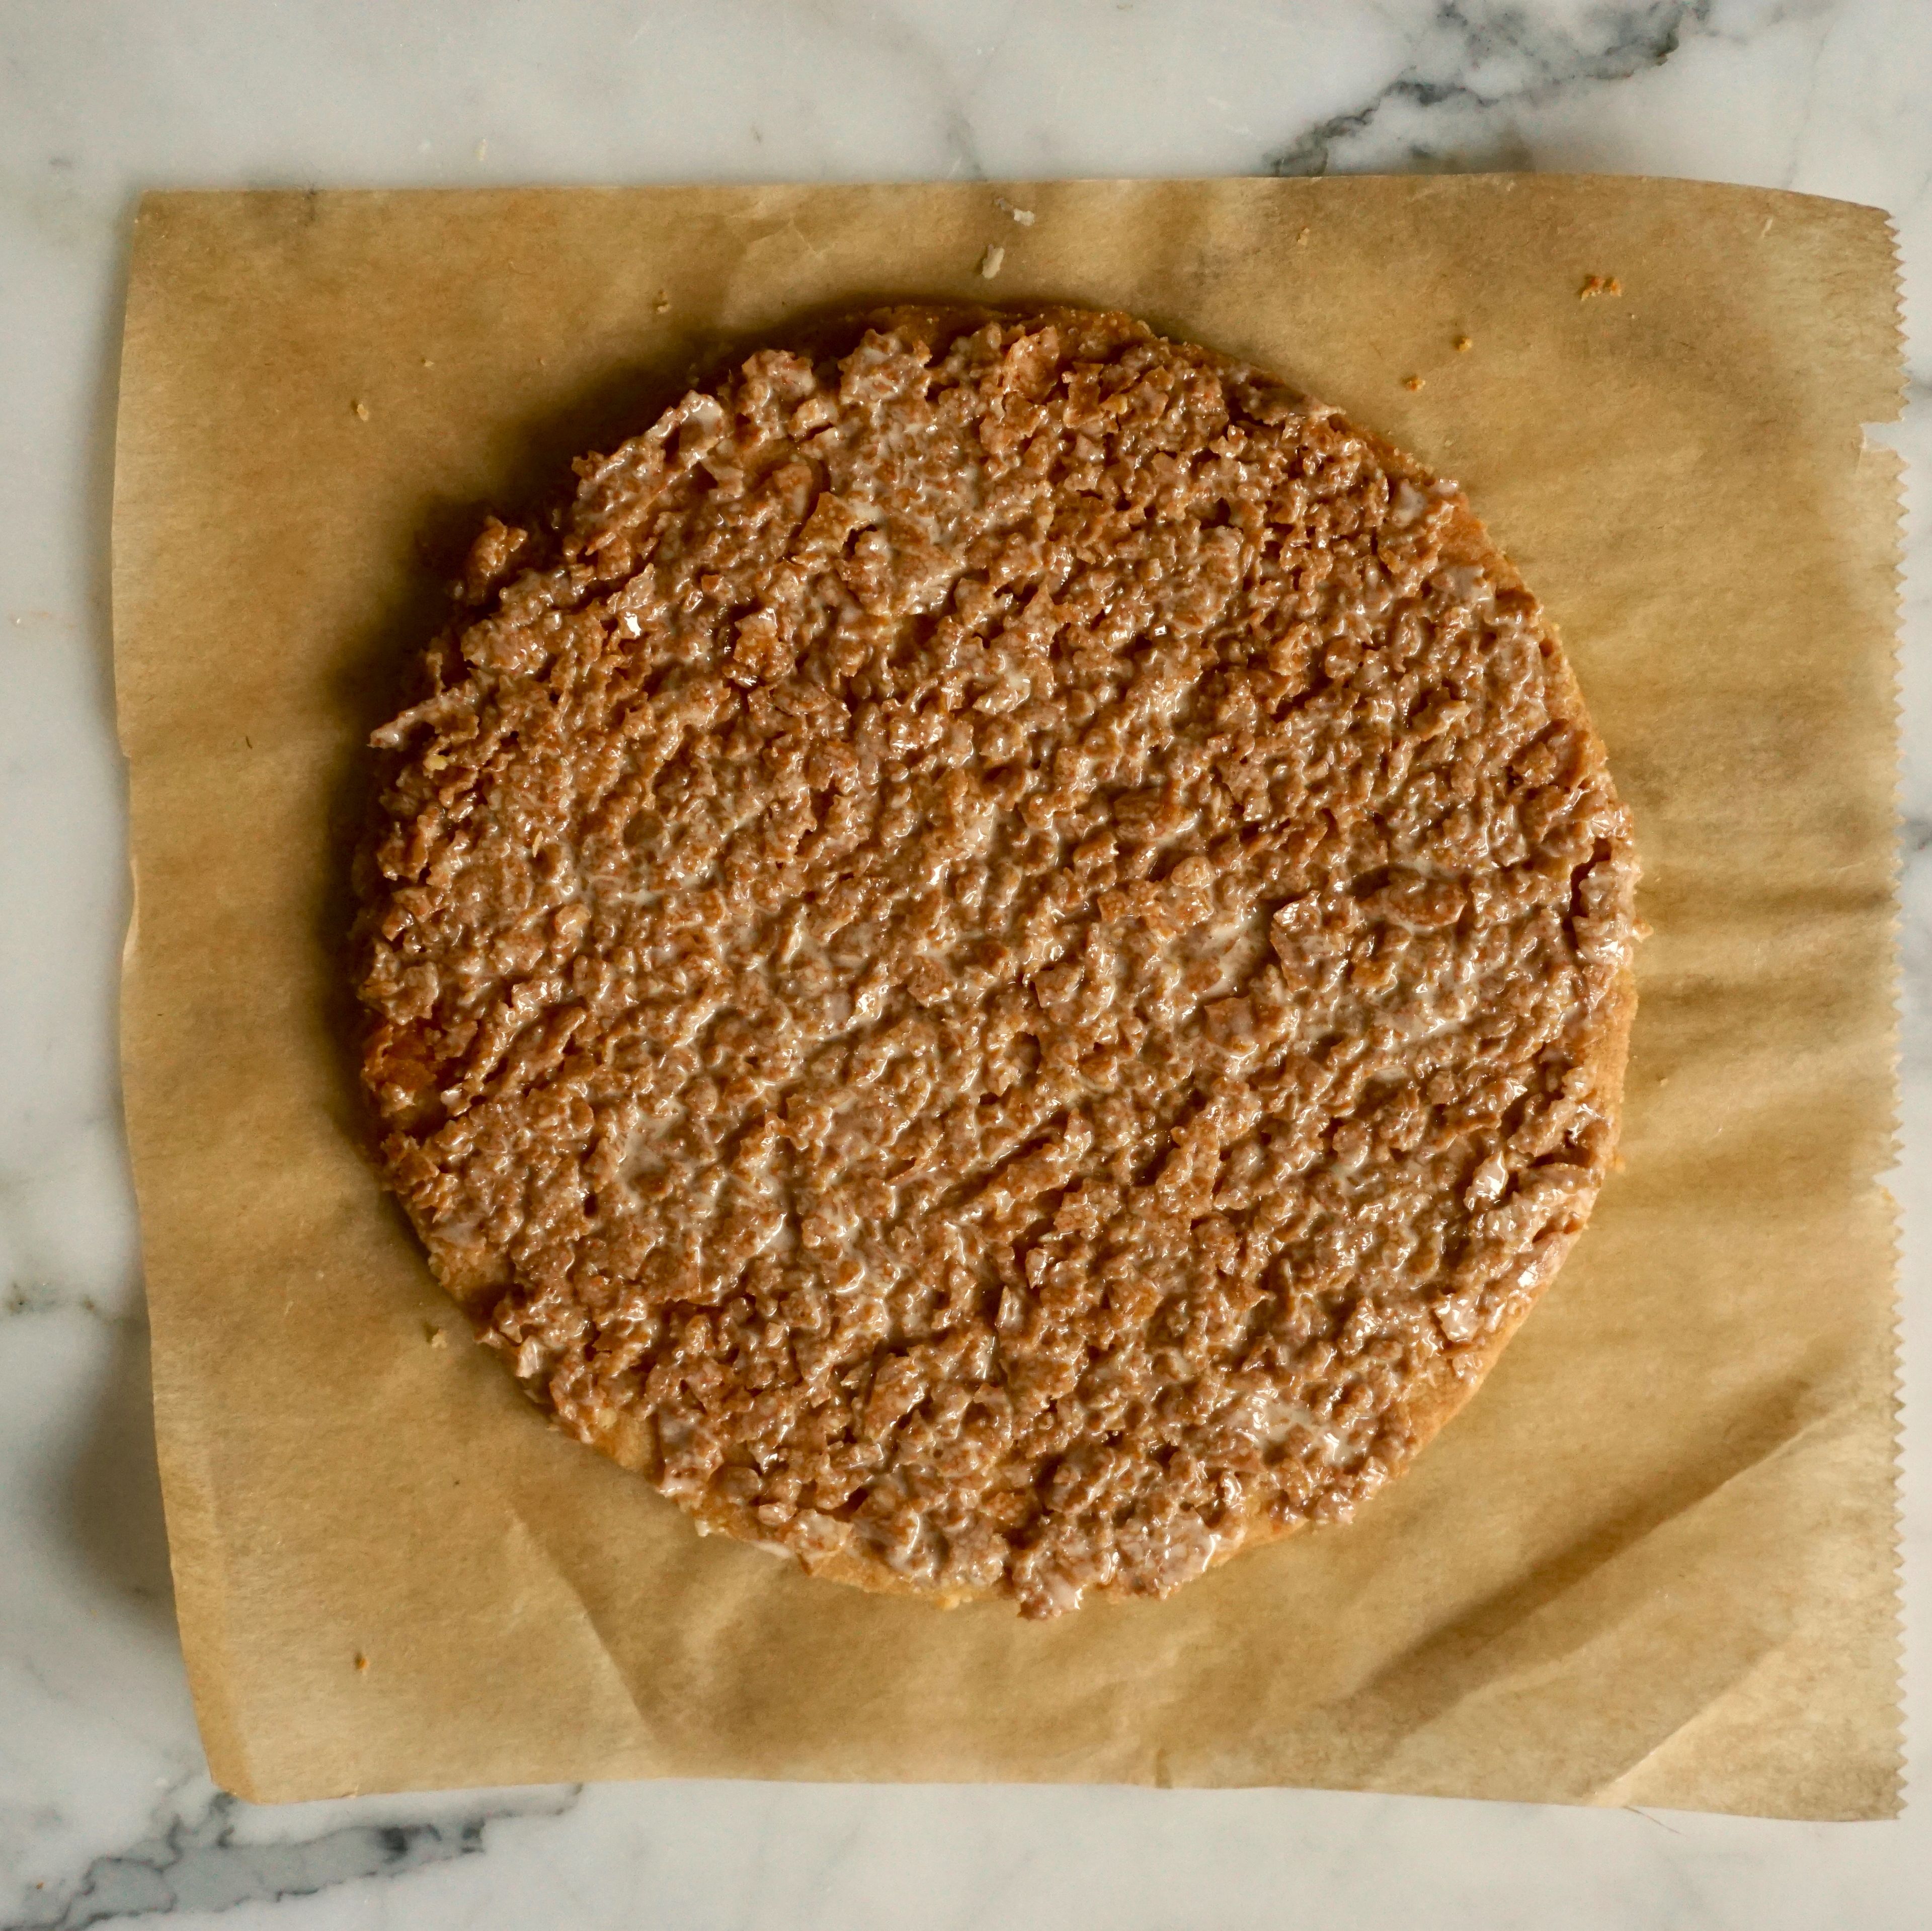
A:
(1478, 57)
(195, 1864)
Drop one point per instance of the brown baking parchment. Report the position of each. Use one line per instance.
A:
(1653, 1563)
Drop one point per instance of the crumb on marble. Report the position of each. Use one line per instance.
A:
(991, 261)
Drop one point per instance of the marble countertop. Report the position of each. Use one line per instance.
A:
(106, 1814)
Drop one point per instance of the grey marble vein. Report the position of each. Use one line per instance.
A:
(195, 1864)
(1475, 57)
(36, 1297)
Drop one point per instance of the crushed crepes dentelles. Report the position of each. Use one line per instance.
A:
(997, 958)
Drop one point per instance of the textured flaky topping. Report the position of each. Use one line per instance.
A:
(1003, 960)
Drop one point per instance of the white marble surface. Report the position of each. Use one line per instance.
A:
(106, 1812)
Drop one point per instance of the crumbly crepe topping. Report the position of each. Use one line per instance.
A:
(1003, 961)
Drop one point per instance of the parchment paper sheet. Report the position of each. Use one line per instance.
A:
(1653, 1562)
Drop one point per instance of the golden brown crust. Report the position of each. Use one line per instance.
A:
(526, 871)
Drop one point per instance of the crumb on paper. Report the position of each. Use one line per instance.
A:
(361, 411)
(362, 1662)
(1301, 240)
(427, 364)
(1595, 285)
(437, 1339)
(1025, 217)
(1412, 383)
(662, 305)
(1463, 345)
(991, 261)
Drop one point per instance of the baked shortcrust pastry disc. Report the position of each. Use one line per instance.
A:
(1001, 958)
